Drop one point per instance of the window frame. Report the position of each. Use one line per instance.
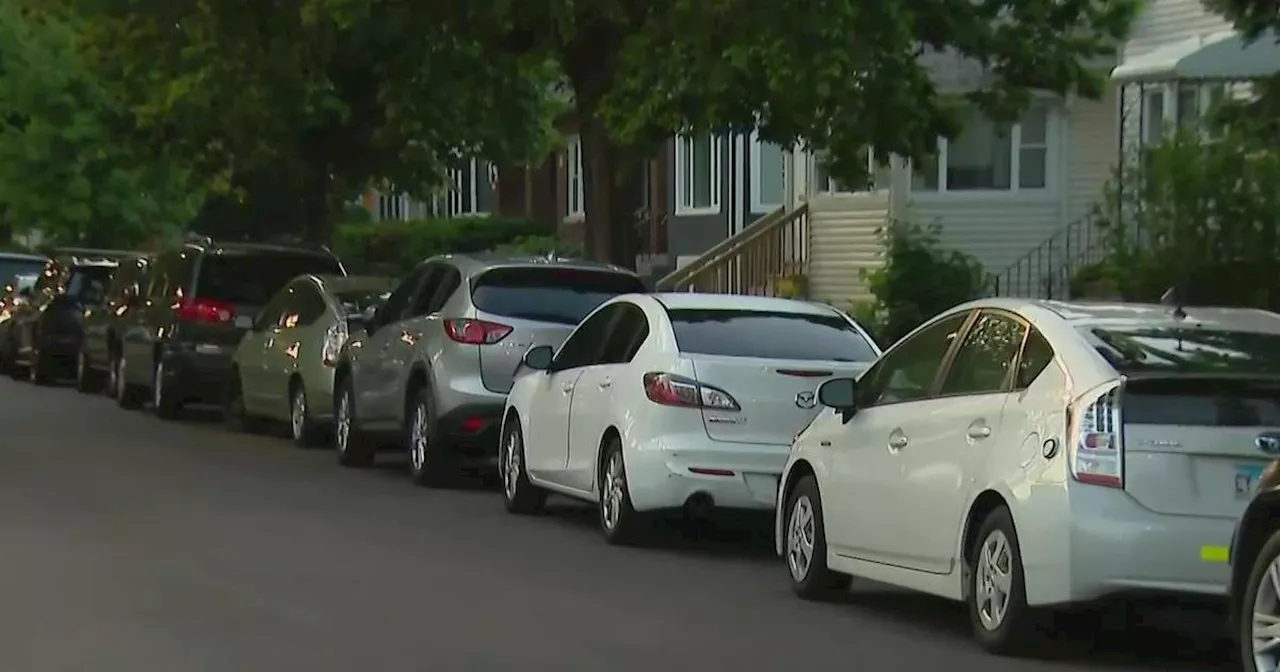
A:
(757, 205)
(1171, 108)
(970, 316)
(683, 155)
(464, 195)
(1053, 149)
(574, 180)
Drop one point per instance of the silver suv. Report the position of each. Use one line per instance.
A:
(432, 370)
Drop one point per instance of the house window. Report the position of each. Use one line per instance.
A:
(1153, 118)
(473, 189)
(697, 174)
(825, 183)
(1184, 105)
(574, 178)
(989, 157)
(768, 175)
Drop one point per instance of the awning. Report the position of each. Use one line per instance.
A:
(1223, 55)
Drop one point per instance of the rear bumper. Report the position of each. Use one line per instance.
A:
(664, 473)
(469, 415)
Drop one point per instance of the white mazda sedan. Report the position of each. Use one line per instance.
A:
(669, 401)
(1018, 454)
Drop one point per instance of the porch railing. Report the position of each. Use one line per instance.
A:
(1045, 271)
(759, 260)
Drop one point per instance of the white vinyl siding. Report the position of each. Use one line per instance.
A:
(698, 174)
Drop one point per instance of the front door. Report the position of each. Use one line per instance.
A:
(252, 355)
(370, 379)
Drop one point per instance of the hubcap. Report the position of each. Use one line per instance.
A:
(81, 367)
(1265, 640)
(111, 379)
(511, 466)
(800, 538)
(120, 384)
(343, 433)
(418, 437)
(615, 489)
(298, 418)
(158, 385)
(993, 579)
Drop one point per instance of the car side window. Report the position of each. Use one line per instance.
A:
(983, 363)
(158, 288)
(628, 334)
(310, 304)
(1036, 356)
(421, 304)
(444, 280)
(586, 343)
(907, 373)
(272, 314)
(396, 305)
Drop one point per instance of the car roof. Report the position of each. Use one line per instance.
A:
(338, 283)
(696, 301)
(471, 264)
(246, 247)
(22, 256)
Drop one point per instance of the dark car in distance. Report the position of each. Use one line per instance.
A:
(101, 343)
(176, 343)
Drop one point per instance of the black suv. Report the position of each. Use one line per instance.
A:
(176, 346)
(46, 331)
(101, 343)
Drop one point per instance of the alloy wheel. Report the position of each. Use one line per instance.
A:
(615, 491)
(298, 414)
(342, 429)
(1265, 640)
(121, 386)
(801, 535)
(112, 379)
(418, 437)
(993, 579)
(82, 368)
(511, 466)
(157, 386)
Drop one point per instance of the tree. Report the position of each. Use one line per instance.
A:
(62, 168)
(1251, 17)
(325, 106)
(842, 76)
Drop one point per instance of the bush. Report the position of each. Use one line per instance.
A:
(919, 279)
(537, 246)
(394, 247)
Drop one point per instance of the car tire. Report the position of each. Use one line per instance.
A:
(165, 404)
(38, 371)
(429, 458)
(127, 396)
(995, 588)
(805, 546)
(518, 494)
(620, 523)
(302, 428)
(235, 416)
(88, 381)
(353, 447)
(1259, 584)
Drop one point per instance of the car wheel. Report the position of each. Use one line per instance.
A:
(87, 380)
(163, 400)
(38, 371)
(1259, 616)
(429, 461)
(127, 396)
(619, 521)
(996, 592)
(519, 495)
(805, 550)
(354, 449)
(113, 378)
(235, 416)
(302, 428)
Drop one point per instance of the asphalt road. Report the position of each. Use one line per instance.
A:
(135, 545)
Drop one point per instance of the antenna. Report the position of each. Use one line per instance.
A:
(1170, 298)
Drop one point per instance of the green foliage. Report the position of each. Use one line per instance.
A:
(538, 245)
(919, 279)
(393, 247)
(63, 167)
(1201, 216)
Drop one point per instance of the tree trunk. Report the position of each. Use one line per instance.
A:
(317, 207)
(613, 188)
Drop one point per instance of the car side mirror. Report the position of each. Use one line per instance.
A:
(539, 358)
(840, 394)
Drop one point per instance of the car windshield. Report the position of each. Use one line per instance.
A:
(559, 295)
(252, 279)
(769, 335)
(358, 301)
(10, 267)
(1188, 350)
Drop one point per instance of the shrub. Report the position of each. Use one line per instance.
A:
(919, 279)
(537, 246)
(394, 247)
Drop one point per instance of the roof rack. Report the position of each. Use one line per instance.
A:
(93, 252)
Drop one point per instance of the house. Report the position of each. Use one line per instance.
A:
(1019, 199)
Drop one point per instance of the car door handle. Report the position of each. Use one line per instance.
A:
(567, 387)
(979, 430)
(898, 441)
(606, 383)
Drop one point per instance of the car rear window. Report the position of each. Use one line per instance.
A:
(89, 283)
(357, 301)
(13, 267)
(559, 295)
(1186, 350)
(252, 279)
(769, 335)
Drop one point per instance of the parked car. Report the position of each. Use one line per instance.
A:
(432, 370)
(45, 336)
(672, 400)
(1255, 563)
(177, 346)
(14, 264)
(1018, 454)
(12, 296)
(284, 365)
(101, 343)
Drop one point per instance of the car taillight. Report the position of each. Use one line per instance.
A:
(206, 310)
(672, 390)
(1096, 446)
(475, 332)
(334, 337)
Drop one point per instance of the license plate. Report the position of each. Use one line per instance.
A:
(1247, 479)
